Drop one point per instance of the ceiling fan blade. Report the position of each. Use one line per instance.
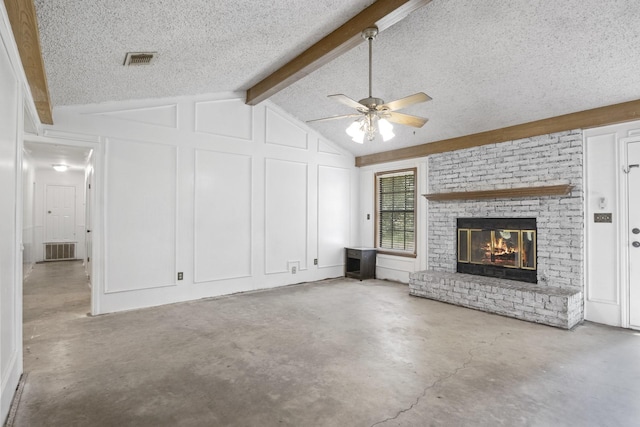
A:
(344, 116)
(344, 99)
(399, 104)
(406, 119)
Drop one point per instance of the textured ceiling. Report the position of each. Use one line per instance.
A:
(203, 46)
(486, 64)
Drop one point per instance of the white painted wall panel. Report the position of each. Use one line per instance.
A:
(164, 115)
(327, 148)
(275, 197)
(334, 206)
(141, 215)
(282, 131)
(285, 215)
(10, 276)
(28, 214)
(606, 267)
(228, 117)
(602, 260)
(222, 216)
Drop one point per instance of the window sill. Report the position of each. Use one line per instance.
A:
(396, 253)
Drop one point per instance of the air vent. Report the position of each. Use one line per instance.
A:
(138, 58)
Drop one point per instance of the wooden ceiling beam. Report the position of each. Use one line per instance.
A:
(382, 13)
(602, 116)
(24, 24)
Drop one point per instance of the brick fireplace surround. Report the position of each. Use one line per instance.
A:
(544, 160)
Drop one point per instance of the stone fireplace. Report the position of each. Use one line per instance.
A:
(505, 181)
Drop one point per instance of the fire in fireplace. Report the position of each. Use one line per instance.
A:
(498, 247)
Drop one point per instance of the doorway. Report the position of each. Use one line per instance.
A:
(632, 170)
(58, 178)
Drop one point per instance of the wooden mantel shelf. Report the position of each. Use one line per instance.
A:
(550, 190)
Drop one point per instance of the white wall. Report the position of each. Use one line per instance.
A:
(11, 122)
(393, 267)
(28, 214)
(232, 196)
(71, 178)
(606, 287)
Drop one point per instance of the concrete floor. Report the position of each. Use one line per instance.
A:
(333, 353)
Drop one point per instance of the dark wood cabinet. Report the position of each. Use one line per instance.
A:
(360, 263)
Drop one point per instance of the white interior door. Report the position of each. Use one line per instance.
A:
(633, 195)
(60, 214)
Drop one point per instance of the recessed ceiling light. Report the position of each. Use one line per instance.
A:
(60, 168)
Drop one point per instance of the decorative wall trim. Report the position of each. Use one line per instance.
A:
(72, 136)
(302, 257)
(272, 119)
(224, 116)
(549, 190)
(107, 143)
(196, 278)
(147, 115)
(326, 148)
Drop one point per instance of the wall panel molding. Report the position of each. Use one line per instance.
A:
(138, 255)
(162, 116)
(280, 130)
(334, 203)
(223, 237)
(286, 214)
(225, 117)
(326, 148)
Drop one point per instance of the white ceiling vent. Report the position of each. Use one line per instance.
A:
(138, 58)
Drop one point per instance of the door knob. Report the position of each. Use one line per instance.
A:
(636, 244)
(636, 231)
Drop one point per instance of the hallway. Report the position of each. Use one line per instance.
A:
(332, 353)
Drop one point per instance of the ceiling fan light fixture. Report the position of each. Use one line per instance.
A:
(386, 129)
(374, 115)
(356, 131)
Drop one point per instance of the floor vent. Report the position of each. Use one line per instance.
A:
(59, 251)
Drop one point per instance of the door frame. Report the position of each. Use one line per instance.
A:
(623, 186)
(97, 163)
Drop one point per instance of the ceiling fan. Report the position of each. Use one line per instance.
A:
(373, 113)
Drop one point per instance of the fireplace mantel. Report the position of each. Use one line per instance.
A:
(520, 192)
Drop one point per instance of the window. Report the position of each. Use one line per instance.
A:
(395, 212)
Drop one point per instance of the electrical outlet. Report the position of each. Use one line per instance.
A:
(293, 270)
(180, 275)
(315, 261)
(368, 216)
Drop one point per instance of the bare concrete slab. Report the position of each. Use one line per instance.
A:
(334, 353)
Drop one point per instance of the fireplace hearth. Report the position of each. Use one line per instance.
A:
(498, 247)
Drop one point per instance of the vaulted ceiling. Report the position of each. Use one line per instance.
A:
(486, 64)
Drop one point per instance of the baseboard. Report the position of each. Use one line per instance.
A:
(9, 385)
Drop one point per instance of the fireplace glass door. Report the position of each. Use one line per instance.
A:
(497, 247)
(494, 246)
